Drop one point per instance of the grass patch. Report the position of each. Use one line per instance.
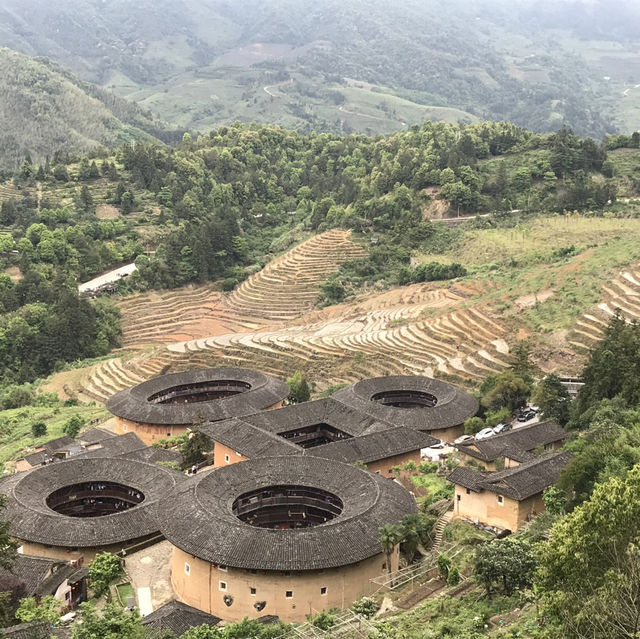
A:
(125, 591)
(15, 425)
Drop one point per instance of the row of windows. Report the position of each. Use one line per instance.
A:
(222, 585)
(500, 498)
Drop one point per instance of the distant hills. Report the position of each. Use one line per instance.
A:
(44, 109)
(348, 65)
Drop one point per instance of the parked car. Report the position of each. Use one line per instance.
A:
(502, 428)
(526, 416)
(485, 433)
(463, 439)
(440, 444)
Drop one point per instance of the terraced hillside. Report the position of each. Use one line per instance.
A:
(289, 286)
(285, 289)
(623, 294)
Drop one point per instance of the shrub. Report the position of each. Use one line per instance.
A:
(104, 569)
(73, 426)
(444, 566)
(38, 429)
(365, 606)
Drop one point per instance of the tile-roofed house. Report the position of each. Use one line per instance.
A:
(509, 498)
(513, 447)
(94, 436)
(114, 446)
(380, 451)
(177, 617)
(60, 447)
(32, 571)
(153, 455)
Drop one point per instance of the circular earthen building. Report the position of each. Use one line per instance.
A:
(421, 403)
(167, 405)
(75, 509)
(284, 536)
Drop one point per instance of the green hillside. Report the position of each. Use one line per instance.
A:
(204, 63)
(45, 109)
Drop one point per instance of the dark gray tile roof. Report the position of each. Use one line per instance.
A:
(50, 447)
(520, 482)
(516, 443)
(31, 630)
(453, 405)
(94, 436)
(51, 584)
(375, 446)
(115, 446)
(198, 518)
(327, 411)
(133, 403)
(153, 455)
(178, 618)
(33, 571)
(248, 440)
(32, 520)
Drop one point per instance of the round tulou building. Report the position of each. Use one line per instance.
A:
(421, 403)
(284, 536)
(72, 510)
(166, 406)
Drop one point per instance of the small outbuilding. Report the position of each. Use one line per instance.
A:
(507, 499)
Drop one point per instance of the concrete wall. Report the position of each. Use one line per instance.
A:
(486, 508)
(206, 585)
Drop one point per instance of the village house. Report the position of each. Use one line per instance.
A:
(507, 499)
(513, 447)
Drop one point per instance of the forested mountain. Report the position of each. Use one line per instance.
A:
(347, 65)
(46, 109)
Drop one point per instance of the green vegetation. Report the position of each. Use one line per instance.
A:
(299, 388)
(103, 570)
(63, 112)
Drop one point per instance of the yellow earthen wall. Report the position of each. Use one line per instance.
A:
(220, 452)
(484, 507)
(384, 466)
(201, 588)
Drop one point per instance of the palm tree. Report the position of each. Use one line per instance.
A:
(389, 537)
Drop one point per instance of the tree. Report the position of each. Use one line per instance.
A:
(510, 391)
(299, 391)
(444, 566)
(589, 570)
(389, 537)
(113, 623)
(473, 425)
(552, 397)
(47, 610)
(202, 632)
(520, 362)
(194, 449)
(38, 429)
(555, 501)
(505, 563)
(8, 546)
(12, 590)
(103, 570)
(73, 426)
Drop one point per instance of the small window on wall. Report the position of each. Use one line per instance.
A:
(252, 591)
(323, 590)
(223, 568)
(168, 434)
(222, 585)
(124, 428)
(501, 500)
(468, 491)
(289, 594)
(238, 454)
(227, 459)
(187, 569)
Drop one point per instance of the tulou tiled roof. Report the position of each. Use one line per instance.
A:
(515, 444)
(134, 404)
(375, 446)
(453, 405)
(114, 447)
(32, 519)
(94, 436)
(198, 518)
(520, 482)
(177, 617)
(32, 571)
